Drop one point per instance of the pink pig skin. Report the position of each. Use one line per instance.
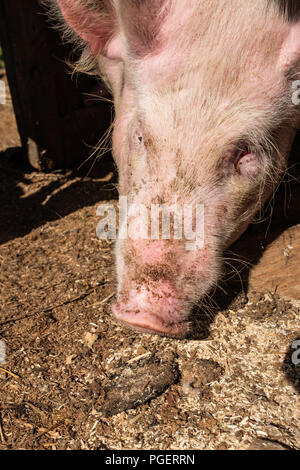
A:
(204, 115)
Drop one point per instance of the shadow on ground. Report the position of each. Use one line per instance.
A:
(60, 193)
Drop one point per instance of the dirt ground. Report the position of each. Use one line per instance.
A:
(75, 379)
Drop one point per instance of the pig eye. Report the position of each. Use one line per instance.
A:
(247, 163)
(242, 148)
(241, 152)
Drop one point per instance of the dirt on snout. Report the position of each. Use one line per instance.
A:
(73, 378)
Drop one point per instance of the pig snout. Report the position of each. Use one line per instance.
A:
(153, 307)
(157, 285)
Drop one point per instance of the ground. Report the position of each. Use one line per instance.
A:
(73, 378)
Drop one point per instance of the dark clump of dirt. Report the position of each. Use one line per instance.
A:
(137, 384)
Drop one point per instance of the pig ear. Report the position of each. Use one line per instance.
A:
(93, 21)
(142, 21)
(290, 53)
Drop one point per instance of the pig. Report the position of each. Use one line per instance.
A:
(204, 115)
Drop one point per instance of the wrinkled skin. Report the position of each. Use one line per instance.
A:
(204, 115)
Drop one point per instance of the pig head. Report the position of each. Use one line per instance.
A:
(203, 93)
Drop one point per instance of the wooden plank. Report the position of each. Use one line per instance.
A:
(279, 268)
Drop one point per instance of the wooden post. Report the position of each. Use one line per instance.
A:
(56, 121)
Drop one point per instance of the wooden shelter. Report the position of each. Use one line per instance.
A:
(58, 119)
